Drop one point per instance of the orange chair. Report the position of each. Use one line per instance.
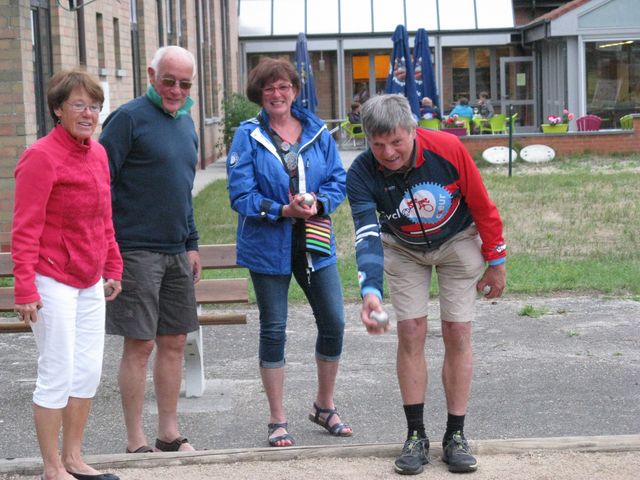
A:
(589, 123)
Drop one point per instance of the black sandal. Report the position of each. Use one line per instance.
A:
(170, 446)
(273, 441)
(336, 430)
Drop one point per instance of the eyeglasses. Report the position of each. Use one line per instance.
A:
(170, 82)
(282, 89)
(80, 107)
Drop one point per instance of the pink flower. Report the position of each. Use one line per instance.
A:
(565, 118)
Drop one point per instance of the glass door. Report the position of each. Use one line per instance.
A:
(518, 91)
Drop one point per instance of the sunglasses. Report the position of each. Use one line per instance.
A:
(170, 82)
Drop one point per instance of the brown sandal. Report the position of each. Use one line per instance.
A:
(142, 449)
(170, 446)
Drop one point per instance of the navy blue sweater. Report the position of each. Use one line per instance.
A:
(152, 159)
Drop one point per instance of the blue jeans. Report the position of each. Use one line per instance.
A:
(324, 293)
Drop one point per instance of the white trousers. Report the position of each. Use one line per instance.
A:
(69, 335)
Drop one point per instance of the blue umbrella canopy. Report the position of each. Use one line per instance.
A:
(401, 78)
(423, 68)
(307, 95)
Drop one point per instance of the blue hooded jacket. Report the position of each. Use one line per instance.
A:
(258, 187)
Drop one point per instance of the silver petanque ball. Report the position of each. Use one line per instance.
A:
(307, 199)
(381, 317)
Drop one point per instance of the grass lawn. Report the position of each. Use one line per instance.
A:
(570, 225)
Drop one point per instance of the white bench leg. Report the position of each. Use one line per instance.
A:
(194, 365)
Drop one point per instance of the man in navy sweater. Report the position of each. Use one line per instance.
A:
(153, 150)
(418, 202)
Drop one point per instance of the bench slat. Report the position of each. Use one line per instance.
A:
(222, 319)
(14, 327)
(6, 265)
(218, 256)
(6, 299)
(215, 291)
(222, 290)
(205, 319)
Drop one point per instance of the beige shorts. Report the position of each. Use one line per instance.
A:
(459, 265)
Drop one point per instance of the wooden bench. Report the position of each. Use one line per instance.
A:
(208, 291)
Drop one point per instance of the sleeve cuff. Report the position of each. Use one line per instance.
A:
(373, 290)
(497, 261)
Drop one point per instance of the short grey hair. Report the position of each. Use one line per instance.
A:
(163, 51)
(383, 114)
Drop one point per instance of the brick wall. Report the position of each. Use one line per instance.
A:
(18, 125)
(602, 142)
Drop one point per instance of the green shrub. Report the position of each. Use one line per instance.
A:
(236, 108)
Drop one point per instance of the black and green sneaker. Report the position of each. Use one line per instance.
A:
(457, 454)
(415, 454)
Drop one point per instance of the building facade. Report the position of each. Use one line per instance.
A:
(114, 41)
(536, 57)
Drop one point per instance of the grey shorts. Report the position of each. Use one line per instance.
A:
(158, 297)
(459, 265)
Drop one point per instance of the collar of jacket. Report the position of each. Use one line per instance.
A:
(68, 141)
(157, 101)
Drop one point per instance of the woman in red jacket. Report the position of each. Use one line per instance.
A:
(66, 261)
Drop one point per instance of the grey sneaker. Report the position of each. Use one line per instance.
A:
(415, 454)
(457, 454)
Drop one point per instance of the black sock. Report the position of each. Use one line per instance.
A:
(415, 419)
(455, 423)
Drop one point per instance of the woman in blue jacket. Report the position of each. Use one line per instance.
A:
(283, 167)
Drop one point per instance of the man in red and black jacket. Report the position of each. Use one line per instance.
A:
(418, 202)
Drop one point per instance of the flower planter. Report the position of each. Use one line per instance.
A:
(457, 131)
(558, 128)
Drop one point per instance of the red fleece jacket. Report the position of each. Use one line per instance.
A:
(62, 225)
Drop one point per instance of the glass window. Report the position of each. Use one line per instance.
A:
(116, 43)
(460, 73)
(387, 15)
(422, 14)
(613, 79)
(255, 17)
(288, 17)
(100, 39)
(458, 15)
(322, 16)
(483, 71)
(494, 13)
(355, 16)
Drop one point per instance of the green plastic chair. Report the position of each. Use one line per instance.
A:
(350, 132)
(626, 122)
(467, 123)
(496, 124)
(430, 123)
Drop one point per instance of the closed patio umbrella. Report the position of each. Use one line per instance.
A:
(307, 95)
(423, 68)
(401, 78)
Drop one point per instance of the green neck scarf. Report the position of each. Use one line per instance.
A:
(157, 101)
